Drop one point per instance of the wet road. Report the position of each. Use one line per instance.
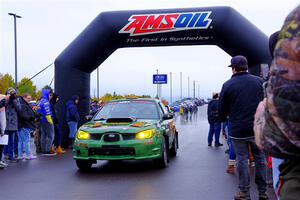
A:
(197, 173)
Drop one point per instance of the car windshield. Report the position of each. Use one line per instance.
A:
(125, 109)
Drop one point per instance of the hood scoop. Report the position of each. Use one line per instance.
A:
(121, 120)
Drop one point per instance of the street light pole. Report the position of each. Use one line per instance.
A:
(170, 87)
(16, 62)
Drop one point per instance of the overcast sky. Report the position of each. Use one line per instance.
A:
(48, 26)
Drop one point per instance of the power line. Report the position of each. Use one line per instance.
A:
(36, 74)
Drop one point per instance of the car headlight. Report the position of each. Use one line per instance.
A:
(82, 135)
(145, 134)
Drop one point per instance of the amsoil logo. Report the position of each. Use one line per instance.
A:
(168, 22)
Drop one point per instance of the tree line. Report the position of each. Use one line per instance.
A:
(27, 86)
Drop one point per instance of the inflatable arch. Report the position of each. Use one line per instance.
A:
(221, 26)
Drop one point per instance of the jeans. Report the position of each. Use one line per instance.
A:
(9, 149)
(73, 129)
(1, 151)
(57, 138)
(242, 153)
(24, 139)
(47, 136)
(214, 128)
(232, 155)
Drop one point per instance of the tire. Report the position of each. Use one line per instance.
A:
(84, 165)
(173, 150)
(163, 161)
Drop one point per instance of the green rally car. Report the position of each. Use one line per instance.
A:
(127, 129)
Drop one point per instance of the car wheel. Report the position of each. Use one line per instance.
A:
(84, 165)
(173, 150)
(163, 161)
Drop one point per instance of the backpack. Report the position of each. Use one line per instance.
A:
(279, 126)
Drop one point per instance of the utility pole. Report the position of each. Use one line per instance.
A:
(188, 87)
(194, 90)
(170, 87)
(16, 60)
(180, 85)
(198, 90)
(98, 83)
(157, 85)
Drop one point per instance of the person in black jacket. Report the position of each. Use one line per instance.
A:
(57, 138)
(72, 118)
(239, 99)
(26, 124)
(214, 121)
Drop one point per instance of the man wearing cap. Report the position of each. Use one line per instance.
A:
(239, 99)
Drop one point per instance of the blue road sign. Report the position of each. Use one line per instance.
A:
(160, 78)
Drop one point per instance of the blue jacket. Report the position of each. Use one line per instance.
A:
(45, 106)
(239, 99)
(72, 112)
(212, 111)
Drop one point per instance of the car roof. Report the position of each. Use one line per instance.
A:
(136, 99)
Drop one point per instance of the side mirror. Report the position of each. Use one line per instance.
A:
(167, 116)
(89, 117)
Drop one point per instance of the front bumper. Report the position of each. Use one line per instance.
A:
(121, 150)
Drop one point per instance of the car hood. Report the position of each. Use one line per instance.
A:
(131, 127)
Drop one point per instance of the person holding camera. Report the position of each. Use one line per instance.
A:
(12, 109)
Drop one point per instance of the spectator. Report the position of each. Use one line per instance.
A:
(12, 109)
(214, 121)
(47, 128)
(27, 117)
(239, 99)
(277, 119)
(94, 107)
(57, 139)
(72, 118)
(3, 100)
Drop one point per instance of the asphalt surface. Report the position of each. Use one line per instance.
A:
(198, 172)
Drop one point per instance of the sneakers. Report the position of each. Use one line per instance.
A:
(3, 164)
(53, 150)
(20, 158)
(218, 145)
(263, 196)
(242, 196)
(230, 169)
(59, 150)
(31, 157)
(48, 154)
(209, 145)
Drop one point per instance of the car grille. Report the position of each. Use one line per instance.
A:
(95, 136)
(128, 136)
(112, 151)
(111, 137)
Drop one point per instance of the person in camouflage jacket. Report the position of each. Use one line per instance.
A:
(277, 119)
